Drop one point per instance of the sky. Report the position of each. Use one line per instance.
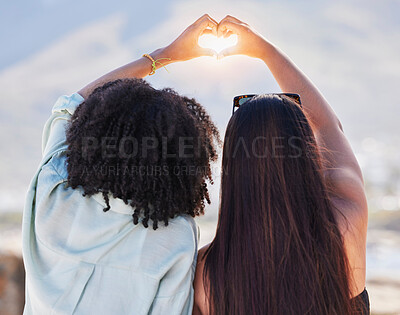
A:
(350, 49)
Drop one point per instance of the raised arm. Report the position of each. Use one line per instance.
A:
(185, 47)
(343, 173)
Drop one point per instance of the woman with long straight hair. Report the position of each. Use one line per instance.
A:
(291, 235)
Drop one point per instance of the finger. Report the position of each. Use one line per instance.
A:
(213, 25)
(206, 17)
(213, 20)
(227, 52)
(207, 31)
(232, 18)
(200, 18)
(227, 25)
(227, 34)
(206, 21)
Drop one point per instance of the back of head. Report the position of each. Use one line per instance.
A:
(277, 249)
(151, 148)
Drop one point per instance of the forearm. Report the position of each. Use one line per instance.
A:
(139, 68)
(291, 79)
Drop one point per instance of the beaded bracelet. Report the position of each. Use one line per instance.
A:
(154, 63)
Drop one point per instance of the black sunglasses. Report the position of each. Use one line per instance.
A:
(241, 99)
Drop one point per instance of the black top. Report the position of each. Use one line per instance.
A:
(362, 303)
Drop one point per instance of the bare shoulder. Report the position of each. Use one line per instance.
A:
(200, 306)
(202, 251)
(200, 262)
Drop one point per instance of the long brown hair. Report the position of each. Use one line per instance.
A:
(278, 248)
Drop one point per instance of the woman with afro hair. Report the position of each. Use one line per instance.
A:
(108, 222)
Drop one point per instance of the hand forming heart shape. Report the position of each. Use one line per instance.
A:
(207, 37)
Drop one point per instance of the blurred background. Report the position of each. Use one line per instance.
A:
(350, 49)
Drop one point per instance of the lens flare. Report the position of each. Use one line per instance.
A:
(217, 43)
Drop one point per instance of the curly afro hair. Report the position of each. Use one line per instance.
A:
(151, 148)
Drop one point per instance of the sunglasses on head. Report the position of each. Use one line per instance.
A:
(241, 99)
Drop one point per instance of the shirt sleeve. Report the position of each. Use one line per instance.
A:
(54, 137)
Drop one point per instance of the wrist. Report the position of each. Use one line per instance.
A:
(163, 56)
(266, 50)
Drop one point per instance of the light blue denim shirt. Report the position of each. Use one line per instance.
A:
(80, 260)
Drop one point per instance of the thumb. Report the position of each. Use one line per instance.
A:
(228, 52)
(207, 52)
